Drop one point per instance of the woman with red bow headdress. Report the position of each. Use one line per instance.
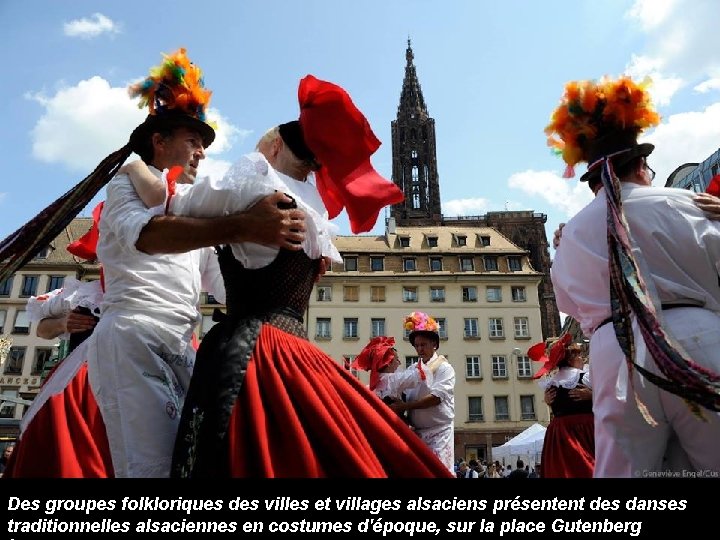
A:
(569, 447)
(62, 433)
(380, 358)
(259, 387)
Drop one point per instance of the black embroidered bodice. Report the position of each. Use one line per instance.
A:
(562, 405)
(278, 293)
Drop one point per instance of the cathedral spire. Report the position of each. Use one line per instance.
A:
(411, 98)
(414, 154)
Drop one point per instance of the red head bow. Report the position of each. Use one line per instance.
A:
(374, 357)
(557, 353)
(85, 247)
(340, 136)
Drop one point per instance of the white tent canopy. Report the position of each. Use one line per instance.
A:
(526, 443)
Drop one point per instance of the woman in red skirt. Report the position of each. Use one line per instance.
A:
(260, 391)
(569, 447)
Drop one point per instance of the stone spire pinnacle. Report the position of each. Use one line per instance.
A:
(411, 98)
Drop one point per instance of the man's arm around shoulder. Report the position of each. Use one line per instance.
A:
(264, 223)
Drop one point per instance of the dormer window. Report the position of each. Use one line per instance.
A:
(432, 241)
(436, 264)
(484, 240)
(43, 253)
(409, 264)
(350, 264)
(466, 264)
(404, 241)
(461, 240)
(491, 264)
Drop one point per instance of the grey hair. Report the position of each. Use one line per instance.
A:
(268, 137)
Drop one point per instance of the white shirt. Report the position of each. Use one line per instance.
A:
(679, 244)
(443, 387)
(166, 286)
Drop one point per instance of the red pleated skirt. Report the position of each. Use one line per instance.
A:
(65, 439)
(300, 414)
(569, 447)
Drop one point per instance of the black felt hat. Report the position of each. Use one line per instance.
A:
(292, 136)
(176, 96)
(620, 146)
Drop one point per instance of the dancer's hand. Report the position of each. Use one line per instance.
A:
(708, 204)
(580, 393)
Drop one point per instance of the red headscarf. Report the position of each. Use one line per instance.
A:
(376, 355)
(340, 136)
(557, 353)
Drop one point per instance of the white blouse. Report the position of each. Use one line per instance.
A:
(59, 302)
(394, 384)
(567, 377)
(250, 179)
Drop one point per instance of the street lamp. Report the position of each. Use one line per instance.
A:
(515, 353)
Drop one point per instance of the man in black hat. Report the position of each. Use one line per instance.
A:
(140, 356)
(139, 359)
(666, 257)
(431, 407)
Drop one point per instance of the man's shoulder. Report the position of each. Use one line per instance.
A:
(660, 201)
(595, 209)
(444, 364)
(646, 193)
(120, 178)
(118, 184)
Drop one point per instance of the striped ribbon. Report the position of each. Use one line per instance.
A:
(629, 294)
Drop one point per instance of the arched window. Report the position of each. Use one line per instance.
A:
(415, 188)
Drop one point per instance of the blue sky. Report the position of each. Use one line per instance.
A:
(491, 74)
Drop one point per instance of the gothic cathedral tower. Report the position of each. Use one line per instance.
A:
(414, 167)
(414, 170)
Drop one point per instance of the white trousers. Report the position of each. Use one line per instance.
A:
(625, 444)
(139, 370)
(441, 440)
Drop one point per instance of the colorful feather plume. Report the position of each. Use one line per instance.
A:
(589, 109)
(177, 83)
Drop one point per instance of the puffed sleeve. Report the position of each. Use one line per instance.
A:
(402, 381)
(59, 302)
(242, 186)
(49, 305)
